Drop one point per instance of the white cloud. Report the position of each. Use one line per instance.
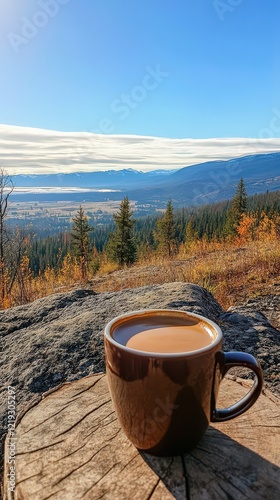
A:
(34, 151)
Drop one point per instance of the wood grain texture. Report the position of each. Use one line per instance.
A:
(70, 446)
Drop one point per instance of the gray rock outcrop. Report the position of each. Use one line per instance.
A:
(60, 338)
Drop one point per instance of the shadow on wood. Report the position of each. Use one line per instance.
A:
(218, 468)
(70, 446)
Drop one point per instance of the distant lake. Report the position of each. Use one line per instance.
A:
(60, 190)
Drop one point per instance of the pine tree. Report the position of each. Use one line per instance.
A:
(81, 240)
(191, 233)
(239, 203)
(166, 230)
(237, 208)
(121, 247)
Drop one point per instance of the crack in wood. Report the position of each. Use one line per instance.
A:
(88, 388)
(69, 454)
(106, 473)
(108, 423)
(104, 425)
(82, 465)
(93, 430)
(102, 496)
(51, 416)
(186, 478)
(228, 496)
(199, 448)
(123, 468)
(129, 462)
(153, 489)
(204, 450)
(266, 426)
(115, 435)
(216, 473)
(39, 449)
(27, 478)
(83, 418)
(52, 494)
(161, 478)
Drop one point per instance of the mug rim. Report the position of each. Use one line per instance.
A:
(141, 312)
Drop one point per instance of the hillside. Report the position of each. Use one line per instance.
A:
(195, 185)
(233, 274)
(215, 181)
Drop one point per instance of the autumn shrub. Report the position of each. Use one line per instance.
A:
(231, 268)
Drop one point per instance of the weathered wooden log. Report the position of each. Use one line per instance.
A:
(71, 446)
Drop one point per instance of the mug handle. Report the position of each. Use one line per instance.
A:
(229, 360)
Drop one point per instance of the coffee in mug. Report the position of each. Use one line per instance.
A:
(164, 368)
(160, 335)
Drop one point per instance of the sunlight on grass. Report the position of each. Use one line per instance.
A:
(229, 272)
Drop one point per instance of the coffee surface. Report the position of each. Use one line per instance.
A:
(164, 333)
(171, 339)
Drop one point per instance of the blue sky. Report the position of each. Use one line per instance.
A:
(202, 72)
(217, 66)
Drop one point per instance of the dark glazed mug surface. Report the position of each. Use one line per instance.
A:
(164, 402)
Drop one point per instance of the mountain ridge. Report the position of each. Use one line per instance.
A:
(193, 185)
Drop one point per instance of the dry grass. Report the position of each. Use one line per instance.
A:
(233, 273)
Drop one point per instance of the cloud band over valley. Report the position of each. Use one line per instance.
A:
(26, 150)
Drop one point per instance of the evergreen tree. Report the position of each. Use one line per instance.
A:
(191, 233)
(239, 203)
(121, 247)
(237, 208)
(166, 231)
(81, 240)
(181, 221)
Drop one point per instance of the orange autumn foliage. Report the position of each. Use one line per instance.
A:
(219, 265)
(245, 229)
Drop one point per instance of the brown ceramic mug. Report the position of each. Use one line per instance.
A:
(165, 401)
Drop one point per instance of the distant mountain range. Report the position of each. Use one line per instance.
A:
(110, 179)
(195, 185)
